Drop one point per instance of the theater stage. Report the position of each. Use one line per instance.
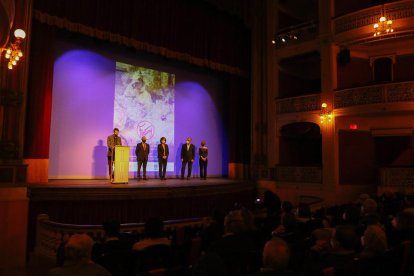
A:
(84, 189)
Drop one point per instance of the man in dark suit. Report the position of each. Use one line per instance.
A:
(142, 152)
(112, 141)
(187, 156)
(163, 153)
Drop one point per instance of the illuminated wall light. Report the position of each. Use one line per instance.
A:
(13, 51)
(353, 126)
(325, 116)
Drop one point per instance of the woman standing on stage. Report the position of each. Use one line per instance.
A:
(203, 152)
(163, 153)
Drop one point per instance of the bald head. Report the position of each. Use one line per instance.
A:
(79, 247)
(276, 254)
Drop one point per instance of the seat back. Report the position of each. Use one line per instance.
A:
(195, 251)
(155, 256)
(328, 271)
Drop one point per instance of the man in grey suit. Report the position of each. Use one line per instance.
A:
(187, 156)
(112, 141)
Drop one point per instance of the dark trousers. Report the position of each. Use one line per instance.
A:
(162, 167)
(110, 166)
(190, 167)
(142, 164)
(203, 169)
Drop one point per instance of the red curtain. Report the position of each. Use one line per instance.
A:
(39, 99)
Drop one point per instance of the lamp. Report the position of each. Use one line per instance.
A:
(325, 115)
(13, 51)
(384, 25)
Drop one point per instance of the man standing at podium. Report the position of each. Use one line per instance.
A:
(112, 141)
(142, 152)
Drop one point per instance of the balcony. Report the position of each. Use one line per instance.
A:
(298, 174)
(401, 178)
(357, 27)
(375, 94)
(298, 104)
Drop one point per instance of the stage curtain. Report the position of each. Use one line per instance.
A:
(39, 96)
(191, 31)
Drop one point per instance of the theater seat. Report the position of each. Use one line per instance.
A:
(153, 257)
(328, 271)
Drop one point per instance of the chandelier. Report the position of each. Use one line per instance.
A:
(13, 51)
(384, 26)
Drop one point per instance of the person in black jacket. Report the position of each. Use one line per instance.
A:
(203, 153)
(142, 151)
(187, 156)
(163, 153)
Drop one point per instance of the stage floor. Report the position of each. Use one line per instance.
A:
(102, 189)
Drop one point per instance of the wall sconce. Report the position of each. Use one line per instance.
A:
(325, 115)
(13, 51)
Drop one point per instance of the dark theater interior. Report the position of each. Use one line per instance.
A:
(206, 137)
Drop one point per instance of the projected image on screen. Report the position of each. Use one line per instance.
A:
(144, 106)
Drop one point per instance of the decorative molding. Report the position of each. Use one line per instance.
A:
(397, 177)
(298, 104)
(370, 16)
(375, 94)
(299, 174)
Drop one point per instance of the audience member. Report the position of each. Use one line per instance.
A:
(113, 253)
(154, 251)
(78, 259)
(343, 251)
(153, 235)
(374, 242)
(275, 258)
(234, 248)
(404, 227)
(214, 231)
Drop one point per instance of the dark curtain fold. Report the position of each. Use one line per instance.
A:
(39, 95)
(238, 121)
(191, 31)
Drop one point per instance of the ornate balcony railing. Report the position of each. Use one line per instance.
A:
(299, 174)
(298, 104)
(402, 177)
(366, 18)
(375, 94)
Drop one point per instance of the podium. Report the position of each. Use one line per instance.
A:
(121, 164)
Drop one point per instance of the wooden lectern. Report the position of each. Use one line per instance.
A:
(121, 164)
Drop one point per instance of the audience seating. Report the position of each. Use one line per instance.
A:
(51, 234)
(183, 256)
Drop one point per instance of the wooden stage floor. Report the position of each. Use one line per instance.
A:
(79, 189)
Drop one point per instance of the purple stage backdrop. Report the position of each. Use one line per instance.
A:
(97, 90)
